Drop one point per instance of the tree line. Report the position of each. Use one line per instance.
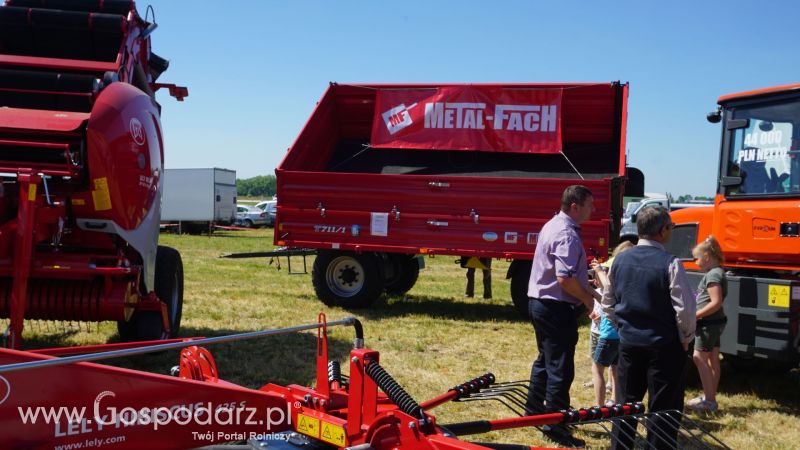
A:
(260, 186)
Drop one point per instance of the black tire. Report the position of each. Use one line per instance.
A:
(405, 273)
(520, 275)
(148, 325)
(347, 279)
(249, 223)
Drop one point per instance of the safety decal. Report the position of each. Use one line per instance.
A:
(490, 236)
(778, 296)
(78, 202)
(308, 425)
(31, 192)
(510, 237)
(532, 237)
(100, 195)
(333, 434)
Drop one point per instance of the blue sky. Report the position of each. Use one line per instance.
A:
(255, 68)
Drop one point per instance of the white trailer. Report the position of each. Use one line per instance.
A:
(197, 199)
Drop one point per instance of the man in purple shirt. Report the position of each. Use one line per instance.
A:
(559, 283)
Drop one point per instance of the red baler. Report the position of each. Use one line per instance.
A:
(81, 159)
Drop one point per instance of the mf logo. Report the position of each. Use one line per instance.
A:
(137, 131)
(397, 118)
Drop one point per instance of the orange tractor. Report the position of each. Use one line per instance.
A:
(756, 219)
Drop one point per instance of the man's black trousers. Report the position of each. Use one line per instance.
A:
(658, 370)
(554, 369)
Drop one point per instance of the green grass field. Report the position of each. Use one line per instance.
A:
(429, 341)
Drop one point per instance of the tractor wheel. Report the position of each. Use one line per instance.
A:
(406, 272)
(520, 275)
(347, 279)
(148, 325)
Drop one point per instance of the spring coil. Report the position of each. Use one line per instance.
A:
(334, 372)
(395, 392)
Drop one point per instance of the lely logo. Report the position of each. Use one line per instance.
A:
(397, 118)
(137, 131)
(5, 389)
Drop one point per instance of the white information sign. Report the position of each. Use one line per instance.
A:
(379, 224)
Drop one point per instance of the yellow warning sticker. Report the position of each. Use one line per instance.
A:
(100, 195)
(778, 296)
(31, 192)
(308, 425)
(333, 434)
(78, 202)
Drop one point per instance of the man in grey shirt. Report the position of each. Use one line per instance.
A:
(650, 301)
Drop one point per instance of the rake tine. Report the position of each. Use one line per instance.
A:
(627, 427)
(695, 433)
(518, 397)
(705, 432)
(515, 396)
(657, 430)
(682, 431)
(515, 411)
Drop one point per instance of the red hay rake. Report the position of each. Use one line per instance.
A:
(368, 410)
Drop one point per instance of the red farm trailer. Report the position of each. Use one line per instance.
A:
(81, 159)
(382, 174)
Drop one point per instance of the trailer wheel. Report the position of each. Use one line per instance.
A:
(148, 325)
(347, 279)
(406, 272)
(520, 272)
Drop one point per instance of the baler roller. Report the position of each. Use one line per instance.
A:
(78, 300)
(49, 33)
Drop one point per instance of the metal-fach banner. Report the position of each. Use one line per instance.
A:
(484, 118)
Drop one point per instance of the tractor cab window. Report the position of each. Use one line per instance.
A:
(763, 150)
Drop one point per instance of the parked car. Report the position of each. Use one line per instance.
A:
(250, 216)
(271, 208)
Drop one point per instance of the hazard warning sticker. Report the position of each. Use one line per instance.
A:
(308, 425)
(100, 195)
(778, 296)
(333, 434)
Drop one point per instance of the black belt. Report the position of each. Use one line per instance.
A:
(554, 302)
